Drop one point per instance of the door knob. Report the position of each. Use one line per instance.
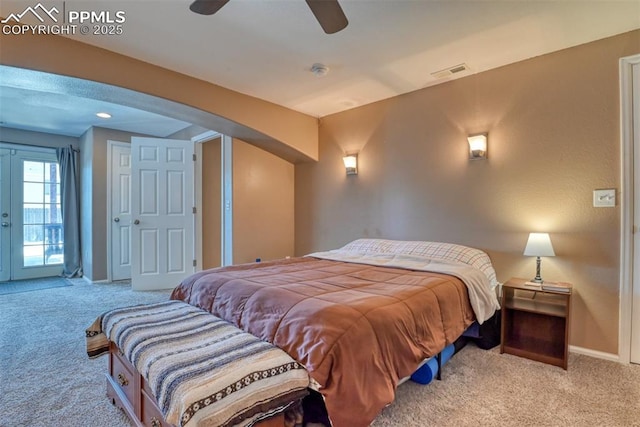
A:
(136, 222)
(116, 219)
(5, 214)
(5, 224)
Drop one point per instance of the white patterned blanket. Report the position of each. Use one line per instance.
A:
(201, 369)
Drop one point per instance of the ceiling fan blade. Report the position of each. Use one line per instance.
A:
(207, 7)
(329, 14)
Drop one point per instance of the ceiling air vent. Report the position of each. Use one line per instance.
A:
(447, 72)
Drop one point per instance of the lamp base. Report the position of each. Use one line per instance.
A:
(538, 278)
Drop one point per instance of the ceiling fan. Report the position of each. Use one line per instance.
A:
(328, 12)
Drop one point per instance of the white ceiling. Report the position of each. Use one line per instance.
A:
(72, 115)
(265, 48)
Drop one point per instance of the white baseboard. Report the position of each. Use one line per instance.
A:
(91, 282)
(594, 353)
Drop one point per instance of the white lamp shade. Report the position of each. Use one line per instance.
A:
(539, 244)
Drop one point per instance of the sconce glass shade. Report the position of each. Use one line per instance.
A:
(351, 164)
(477, 146)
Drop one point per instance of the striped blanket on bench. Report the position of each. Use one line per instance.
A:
(201, 369)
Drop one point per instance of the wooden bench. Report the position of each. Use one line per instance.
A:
(130, 392)
(175, 359)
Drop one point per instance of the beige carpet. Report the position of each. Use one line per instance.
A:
(486, 388)
(47, 380)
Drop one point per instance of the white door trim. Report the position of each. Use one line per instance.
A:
(227, 200)
(5, 208)
(627, 227)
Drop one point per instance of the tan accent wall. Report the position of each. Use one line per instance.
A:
(553, 124)
(288, 133)
(263, 203)
(211, 203)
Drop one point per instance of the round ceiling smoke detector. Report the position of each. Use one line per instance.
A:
(319, 70)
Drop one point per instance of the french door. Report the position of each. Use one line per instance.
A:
(30, 216)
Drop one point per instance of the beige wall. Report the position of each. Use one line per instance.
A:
(553, 126)
(263, 204)
(211, 203)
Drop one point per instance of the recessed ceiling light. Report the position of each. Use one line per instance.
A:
(104, 115)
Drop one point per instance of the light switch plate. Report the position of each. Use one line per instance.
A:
(604, 198)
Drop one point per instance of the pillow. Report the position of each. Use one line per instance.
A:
(437, 250)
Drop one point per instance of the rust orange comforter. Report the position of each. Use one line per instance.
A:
(358, 329)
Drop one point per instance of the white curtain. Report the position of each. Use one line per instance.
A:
(70, 209)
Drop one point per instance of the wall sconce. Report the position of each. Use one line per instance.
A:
(477, 146)
(351, 164)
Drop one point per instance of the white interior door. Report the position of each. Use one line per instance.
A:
(162, 195)
(5, 219)
(635, 306)
(120, 206)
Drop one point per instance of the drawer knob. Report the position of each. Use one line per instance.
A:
(155, 422)
(122, 380)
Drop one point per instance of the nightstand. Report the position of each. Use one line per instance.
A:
(535, 321)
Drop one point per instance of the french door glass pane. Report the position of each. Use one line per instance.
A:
(52, 173)
(42, 238)
(33, 256)
(32, 214)
(33, 171)
(33, 192)
(33, 234)
(52, 214)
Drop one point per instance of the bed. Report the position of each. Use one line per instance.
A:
(359, 318)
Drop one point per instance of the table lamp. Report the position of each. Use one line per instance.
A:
(539, 244)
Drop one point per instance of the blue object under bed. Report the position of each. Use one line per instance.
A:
(489, 332)
(429, 370)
